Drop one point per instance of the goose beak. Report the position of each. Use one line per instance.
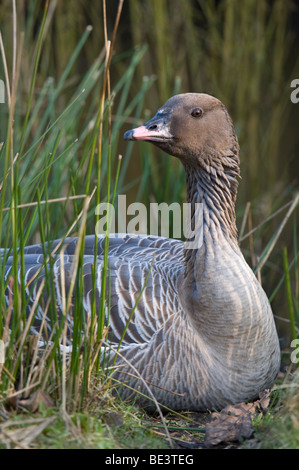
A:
(155, 130)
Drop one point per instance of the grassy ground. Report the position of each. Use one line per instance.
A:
(70, 93)
(117, 428)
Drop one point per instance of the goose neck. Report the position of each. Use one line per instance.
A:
(211, 192)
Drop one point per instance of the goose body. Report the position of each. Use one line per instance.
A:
(202, 334)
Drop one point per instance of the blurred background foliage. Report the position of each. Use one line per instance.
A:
(245, 53)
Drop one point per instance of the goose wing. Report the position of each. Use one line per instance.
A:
(141, 282)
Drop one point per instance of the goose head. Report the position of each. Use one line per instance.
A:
(190, 126)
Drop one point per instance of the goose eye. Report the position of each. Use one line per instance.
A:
(196, 112)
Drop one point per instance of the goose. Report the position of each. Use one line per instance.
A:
(202, 334)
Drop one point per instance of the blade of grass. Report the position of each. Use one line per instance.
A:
(289, 293)
(33, 78)
(266, 253)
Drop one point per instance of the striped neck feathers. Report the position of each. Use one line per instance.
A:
(213, 182)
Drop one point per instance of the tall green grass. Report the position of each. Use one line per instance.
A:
(51, 187)
(56, 166)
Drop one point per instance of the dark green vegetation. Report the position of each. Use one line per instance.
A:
(68, 100)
